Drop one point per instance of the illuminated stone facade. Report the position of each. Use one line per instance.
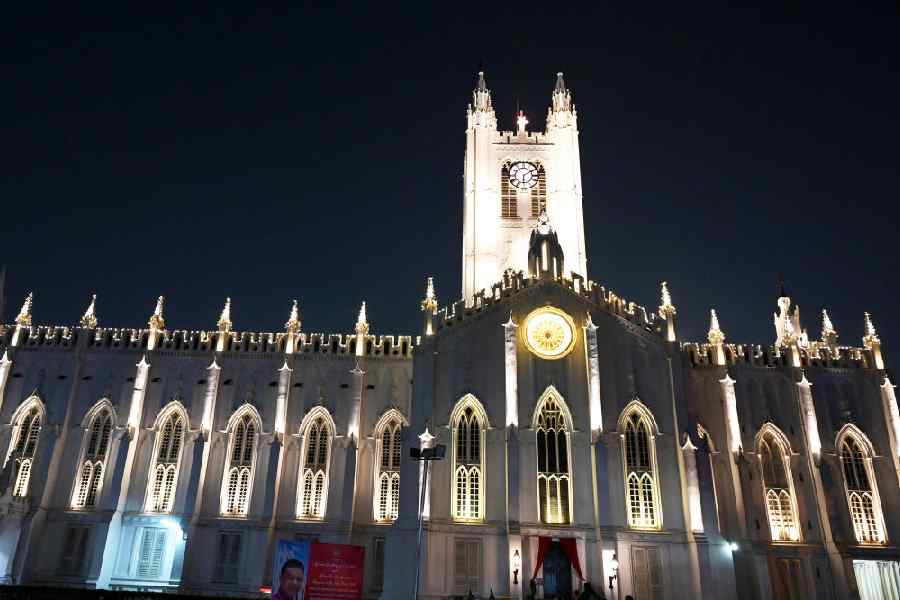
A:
(167, 459)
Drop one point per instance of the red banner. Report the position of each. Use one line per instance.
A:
(335, 572)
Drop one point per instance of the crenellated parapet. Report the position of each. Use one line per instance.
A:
(202, 341)
(754, 355)
(514, 283)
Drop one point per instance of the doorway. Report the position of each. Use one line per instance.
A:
(557, 573)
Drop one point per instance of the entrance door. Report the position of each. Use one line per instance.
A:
(557, 573)
(646, 570)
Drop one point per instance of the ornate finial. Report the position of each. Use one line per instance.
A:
(521, 121)
(24, 318)
(362, 326)
(293, 322)
(156, 319)
(780, 286)
(225, 318)
(666, 308)
(560, 84)
(827, 326)
(430, 301)
(715, 334)
(89, 318)
(871, 336)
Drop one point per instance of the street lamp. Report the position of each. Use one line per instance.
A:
(425, 455)
(516, 563)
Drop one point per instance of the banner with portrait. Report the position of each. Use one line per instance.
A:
(291, 566)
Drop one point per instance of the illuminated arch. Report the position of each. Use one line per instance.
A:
(98, 425)
(317, 431)
(855, 452)
(468, 423)
(638, 430)
(244, 429)
(388, 446)
(27, 422)
(774, 451)
(171, 426)
(552, 424)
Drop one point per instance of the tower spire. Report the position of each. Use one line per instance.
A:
(362, 330)
(829, 333)
(715, 335)
(561, 111)
(872, 342)
(429, 306)
(156, 323)
(89, 318)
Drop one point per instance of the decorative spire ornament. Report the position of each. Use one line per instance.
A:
(829, 333)
(292, 328)
(429, 306)
(24, 318)
(872, 342)
(715, 335)
(89, 318)
(666, 308)
(293, 323)
(224, 323)
(362, 325)
(157, 321)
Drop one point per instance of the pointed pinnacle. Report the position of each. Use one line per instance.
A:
(293, 322)
(715, 334)
(24, 317)
(156, 319)
(89, 318)
(225, 318)
(362, 325)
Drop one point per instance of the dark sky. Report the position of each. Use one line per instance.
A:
(318, 154)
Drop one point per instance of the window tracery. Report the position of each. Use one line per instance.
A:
(553, 471)
(468, 423)
(92, 467)
(314, 474)
(387, 472)
(778, 489)
(861, 487)
(166, 461)
(23, 448)
(639, 457)
(240, 464)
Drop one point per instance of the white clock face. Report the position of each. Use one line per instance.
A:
(549, 333)
(523, 175)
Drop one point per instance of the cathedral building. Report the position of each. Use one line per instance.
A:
(584, 440)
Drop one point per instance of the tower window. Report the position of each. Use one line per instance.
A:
(238, 480)
(553, 476)
(468, 460)
(314, 474)
(861, 490)
(539, 193)
(777, 486)
(387, 474)
(508, 195)
(92, 465)
(26, 434)
(639, 451)
(164, 473)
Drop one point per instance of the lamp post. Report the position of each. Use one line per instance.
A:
(425, 455)
(516, 563)
(614, 565)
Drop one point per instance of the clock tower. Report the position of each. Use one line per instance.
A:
(510, 179)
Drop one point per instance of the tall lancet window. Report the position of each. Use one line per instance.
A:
(313, 493)
(23, 449)
(166, 460)
(781, 505)
(554, 480)
(92, 466)
(539, 193)
(508, 196)
(468, 422)
(862, 491)
(637, 428)
(237, 484)
(387, 471)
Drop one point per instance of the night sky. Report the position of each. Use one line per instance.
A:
(317, 154)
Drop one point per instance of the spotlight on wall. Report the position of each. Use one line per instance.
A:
(516, 563)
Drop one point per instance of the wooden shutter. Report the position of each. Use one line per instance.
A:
(654, 562)
(152, 546)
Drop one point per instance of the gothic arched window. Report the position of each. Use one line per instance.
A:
(92, 466)
(387, 466)
(639, 458)
(778, 488)
(23, 448)
(468, 422)
(554, 480)
(314, 472)
(861, 488)
(508, 196)
(237, 482)
(166, 461)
